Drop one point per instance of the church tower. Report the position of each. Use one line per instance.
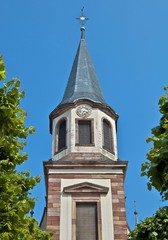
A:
(84, 179)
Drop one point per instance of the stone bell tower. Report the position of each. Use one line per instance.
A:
(84, 179)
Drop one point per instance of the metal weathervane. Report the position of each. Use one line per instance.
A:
(82, 18)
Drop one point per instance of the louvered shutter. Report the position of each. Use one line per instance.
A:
(107, 135)
(84, 128)
(86, 221)
(62, 135)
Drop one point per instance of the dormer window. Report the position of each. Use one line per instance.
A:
(107, 136)
(61, 135)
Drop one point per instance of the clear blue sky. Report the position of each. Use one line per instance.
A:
(128, 44)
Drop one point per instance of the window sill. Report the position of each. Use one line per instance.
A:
(62, 149)
(85, 145)
(108, 150)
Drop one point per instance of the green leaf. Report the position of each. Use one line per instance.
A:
(2, 69)
(149, 186)
(15, 187)
(157, 165)
(154, 227)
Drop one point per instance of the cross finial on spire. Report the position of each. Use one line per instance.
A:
(82, 18)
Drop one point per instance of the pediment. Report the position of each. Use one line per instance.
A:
(86, 187)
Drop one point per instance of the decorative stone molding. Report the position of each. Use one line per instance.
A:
(85, 187)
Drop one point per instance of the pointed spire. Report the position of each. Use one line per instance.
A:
(82, 83)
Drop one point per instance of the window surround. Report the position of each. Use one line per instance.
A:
(57, 150)
(86, 193)
(77, 120)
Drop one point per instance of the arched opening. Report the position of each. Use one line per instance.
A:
(107, 136)
(61, 135)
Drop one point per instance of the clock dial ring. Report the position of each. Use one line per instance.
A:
(84, 110)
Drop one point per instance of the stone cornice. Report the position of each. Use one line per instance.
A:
(116, 167)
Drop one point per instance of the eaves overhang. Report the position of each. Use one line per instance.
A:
(65, 107)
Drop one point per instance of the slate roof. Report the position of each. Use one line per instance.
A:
(82, 83)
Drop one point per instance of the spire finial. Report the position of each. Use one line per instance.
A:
(135, 213)
(82, 20)
(31, 213)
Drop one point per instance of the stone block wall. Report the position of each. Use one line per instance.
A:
(118, 202)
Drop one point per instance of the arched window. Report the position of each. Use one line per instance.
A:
(61, 135)
(107, 136)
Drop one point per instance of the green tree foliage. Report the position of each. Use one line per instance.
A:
(15, 200)
(156, 168)
(154, 228)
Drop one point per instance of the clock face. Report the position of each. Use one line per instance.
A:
(84, 111)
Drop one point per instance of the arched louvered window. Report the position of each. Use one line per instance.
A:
(62, 135)
(107, 136)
